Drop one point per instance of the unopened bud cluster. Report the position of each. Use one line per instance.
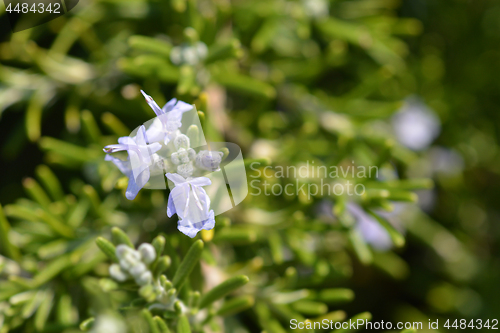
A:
(189, 54)
(184, 156)
(133, 264)
(145, 266)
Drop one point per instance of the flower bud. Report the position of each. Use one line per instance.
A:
(144, 279)
(147, 252)
(125, 265)
(209, 160)
(116, 273)
(175, 158)
(181, 141)
(137, 270)
(183, 156)
(191, 154)
(185, 170)
(130, 260)
(122, 250)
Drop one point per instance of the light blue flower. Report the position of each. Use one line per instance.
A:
(140, 158)
(191, 204)
(415, 125)
(165, 126)
(369, 228)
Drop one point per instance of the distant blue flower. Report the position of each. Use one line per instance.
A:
(415, 125)
(168, 121)
(370, 229)
(191, 204)
(136, 167)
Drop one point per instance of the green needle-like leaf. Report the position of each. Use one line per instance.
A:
(236, 305)
(310, 308)
(395, 235)
(362, 250)
(9, 249)
(53, 269)
(183, 325)
(35, 191)
(187, 265)
(114, 124)
(43, 311)
(107, 247)
(90, 127)
(162, 326)
(162, 265)
(56, 223)
(87, 324)
(193, 134)
(334, 296)
(120, 237)
(153, 327)
(223, 289)
(159, 245)
(50, 181)
(149, 44)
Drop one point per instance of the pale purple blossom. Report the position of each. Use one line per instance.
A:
(369, 228)
(415, 125)
(191, 204)
(140, 157)
(165, 127)
(161, 146)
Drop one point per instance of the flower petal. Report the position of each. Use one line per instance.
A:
(114, 148)
(155, 131)
(126, 140)
(123, 166)
(183, 107)
(170, 105)
(175, 178)
(141, 139)
(135, 185)
(200, 181)
(154, 147)
(170, 206)
(191, 229)
(152, 103)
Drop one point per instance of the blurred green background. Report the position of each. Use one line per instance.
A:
(289, 82)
